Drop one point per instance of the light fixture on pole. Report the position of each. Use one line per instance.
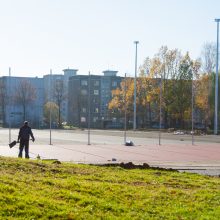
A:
(135, 89)
(216, 83)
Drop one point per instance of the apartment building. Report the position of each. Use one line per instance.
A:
(79, 95)
(56, 90)
(21, 99)
(89, 97)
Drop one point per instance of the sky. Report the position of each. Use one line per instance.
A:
(97, 35)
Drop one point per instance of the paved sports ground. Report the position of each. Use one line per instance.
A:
(175, 151)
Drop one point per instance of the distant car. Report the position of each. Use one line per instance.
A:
(179, 132)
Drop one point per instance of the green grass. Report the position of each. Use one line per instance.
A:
(43, 190)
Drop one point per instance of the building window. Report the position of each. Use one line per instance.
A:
(96, 110)
(83, 119)
(95, 119)
(114, 119)
(84, 83)
(96, 92)
(96, 83)
(83, 92)
(84, 110)
(114, 84)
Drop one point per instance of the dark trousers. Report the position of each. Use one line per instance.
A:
(24, 144)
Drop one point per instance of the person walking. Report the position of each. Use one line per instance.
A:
(23, 137)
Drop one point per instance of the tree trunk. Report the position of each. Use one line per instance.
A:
(59, 117)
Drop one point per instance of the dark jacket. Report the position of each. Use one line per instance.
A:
(25, 133)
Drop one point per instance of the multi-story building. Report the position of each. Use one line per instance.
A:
(56, 90)
(22, 99)
(89, 97)
(80, 94)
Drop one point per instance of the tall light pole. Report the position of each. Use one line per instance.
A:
(216, 84)
(192, 103)
(50, 90)
(135, 89)
(160, 118)
(10, 115)
(89, 108)
(125, 104)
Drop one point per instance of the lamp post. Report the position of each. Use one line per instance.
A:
(10, 115)
(134, 123)
(125, 104)
(192, 100)
(160, 118)
(89, 103)
(216, 84)
(50, 86)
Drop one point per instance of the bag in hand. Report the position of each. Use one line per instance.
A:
(12, 144)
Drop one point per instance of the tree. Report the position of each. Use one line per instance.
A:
(25, 95)
(208, 57)
(59, 96)
(165, 67)
(187, 77)
(53, 109)
(117, 104)
(148, 91)
(170, 72)
(206, 99)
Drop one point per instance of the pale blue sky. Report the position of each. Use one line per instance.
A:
(95, 35)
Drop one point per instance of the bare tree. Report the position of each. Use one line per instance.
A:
(59, 95)
(208, 60)
(208, 57)
(25, 95)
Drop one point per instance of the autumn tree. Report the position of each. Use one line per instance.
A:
(170, 73)
(117, 105)
(51, 110)
(165, 67)
(25, 95)
(148, 92)
(187, 77)
(173, 73)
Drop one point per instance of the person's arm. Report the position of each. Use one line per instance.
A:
(32, 136)
(19, 135)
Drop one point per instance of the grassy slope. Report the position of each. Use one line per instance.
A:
(36, 189)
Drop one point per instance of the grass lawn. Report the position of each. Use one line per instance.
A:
(43, 190)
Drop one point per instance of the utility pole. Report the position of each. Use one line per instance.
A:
(216, 83)
(125, 103)
(50, 86)
(161, 84)
(89, 102)
(135, 85)
(192, 109)
(10, 115)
